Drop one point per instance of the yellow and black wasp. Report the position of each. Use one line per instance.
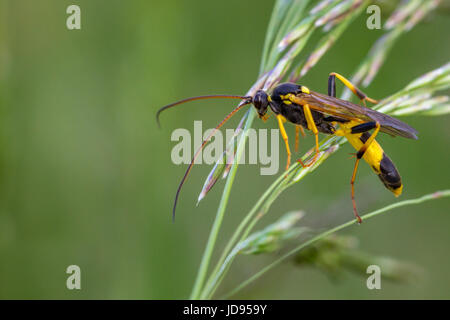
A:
(327, 114)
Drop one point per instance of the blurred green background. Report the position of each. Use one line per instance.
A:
(86, 176)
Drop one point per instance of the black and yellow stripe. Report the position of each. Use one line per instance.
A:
(380, 163)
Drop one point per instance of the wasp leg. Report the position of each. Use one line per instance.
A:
(332, 88)
(298, 129)
(280, 119)
(313, 128)
(364, 127)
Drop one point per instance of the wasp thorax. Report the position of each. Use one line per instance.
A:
(260, 101)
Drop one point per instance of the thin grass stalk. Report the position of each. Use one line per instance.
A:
(273, 77)
(329, 144)
(437, 79)
(428, 197)
(279, 10)
(220, 213)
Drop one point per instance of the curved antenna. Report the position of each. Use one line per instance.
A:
(243, 103)
(218, 96)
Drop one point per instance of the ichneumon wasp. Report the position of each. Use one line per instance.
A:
(326, 114)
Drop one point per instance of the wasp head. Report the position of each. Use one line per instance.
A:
(261, 101)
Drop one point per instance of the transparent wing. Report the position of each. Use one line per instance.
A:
(350, 111)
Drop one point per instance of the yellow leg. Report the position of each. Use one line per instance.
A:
(298, 129)
(313, 128)
(352, 182)
(280, 119)
(359, 155)
(361, 95)
(265, 117)
(302, 131)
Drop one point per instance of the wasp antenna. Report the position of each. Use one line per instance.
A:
(216, 96)
(244, 103)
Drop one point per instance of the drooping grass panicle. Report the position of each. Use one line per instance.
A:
(417, 97)
(290, 29)
(407, 15)
(327, 41)
(223, 164)
(336, 254)
(272, 72)
(327, 233)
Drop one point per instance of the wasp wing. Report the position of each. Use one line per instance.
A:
(350, 111)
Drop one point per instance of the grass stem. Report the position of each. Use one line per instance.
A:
(428, 197)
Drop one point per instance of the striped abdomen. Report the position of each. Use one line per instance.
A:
(380, 163)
